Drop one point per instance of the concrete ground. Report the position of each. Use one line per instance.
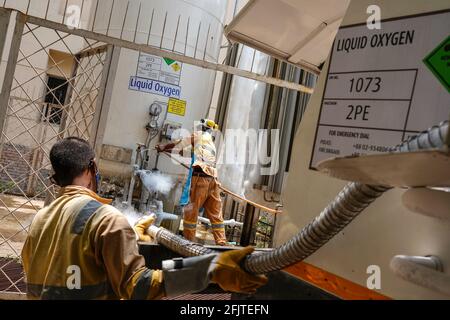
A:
(203, 234)
(16, 214)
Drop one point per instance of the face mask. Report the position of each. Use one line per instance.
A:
(96, 174)
(97, 180)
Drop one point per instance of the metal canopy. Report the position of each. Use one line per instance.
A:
(298, 31)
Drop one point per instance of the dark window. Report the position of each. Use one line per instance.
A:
(54, 99)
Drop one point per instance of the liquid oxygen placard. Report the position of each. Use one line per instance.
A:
(381, 87)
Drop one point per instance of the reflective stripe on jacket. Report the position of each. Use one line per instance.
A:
(80, 247)
(204, 150)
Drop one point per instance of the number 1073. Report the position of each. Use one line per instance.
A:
(365, 84)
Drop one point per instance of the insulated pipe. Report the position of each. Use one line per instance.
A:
(177, 244)
(231, 222)
(348, 204)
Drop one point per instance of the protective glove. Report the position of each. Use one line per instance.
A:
(187, 275)
(159, 148)
(141, 226)
(228, 274)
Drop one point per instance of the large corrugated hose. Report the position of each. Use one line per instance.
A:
(348, 204)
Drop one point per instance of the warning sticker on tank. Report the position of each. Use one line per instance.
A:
(177, 107)
(379, 89)
(439, 62)
(159, 69)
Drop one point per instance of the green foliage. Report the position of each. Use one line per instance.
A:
(6, 186)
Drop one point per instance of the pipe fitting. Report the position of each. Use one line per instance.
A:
(423, 271)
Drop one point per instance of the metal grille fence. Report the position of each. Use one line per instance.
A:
(55, 84)
(258, 225)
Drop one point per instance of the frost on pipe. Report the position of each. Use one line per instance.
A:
(154, 181)
(348, 204)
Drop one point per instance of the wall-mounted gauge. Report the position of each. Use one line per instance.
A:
(155, 109)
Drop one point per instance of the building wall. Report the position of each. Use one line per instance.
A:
(17, 168)
(26, 138)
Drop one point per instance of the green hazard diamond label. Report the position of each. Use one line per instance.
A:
(438, 61)
(168, 61)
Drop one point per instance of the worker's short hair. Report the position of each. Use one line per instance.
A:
(70, 157)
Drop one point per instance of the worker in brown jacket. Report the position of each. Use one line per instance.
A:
(80, 247)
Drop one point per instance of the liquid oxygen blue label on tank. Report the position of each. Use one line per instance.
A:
(155, 87)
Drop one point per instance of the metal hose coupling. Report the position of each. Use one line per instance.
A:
(347, 205)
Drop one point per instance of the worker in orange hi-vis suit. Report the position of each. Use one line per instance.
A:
(205, 190)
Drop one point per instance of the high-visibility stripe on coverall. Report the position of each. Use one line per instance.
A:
(205, 193)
